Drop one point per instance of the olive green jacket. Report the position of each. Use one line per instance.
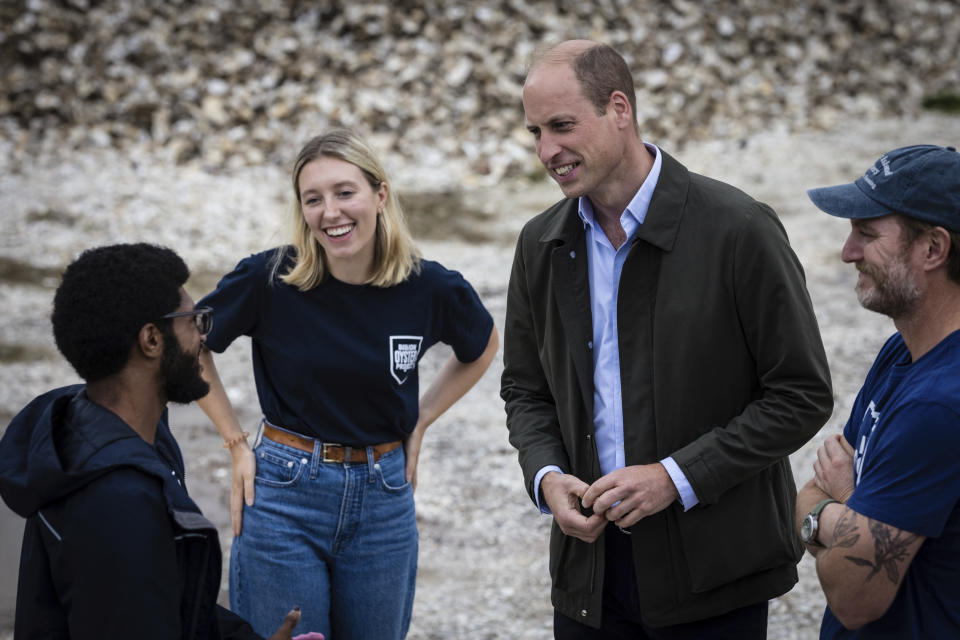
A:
(722, 367)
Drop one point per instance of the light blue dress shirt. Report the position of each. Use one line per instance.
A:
(604, 266)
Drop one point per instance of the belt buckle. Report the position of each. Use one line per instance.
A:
(323, 451)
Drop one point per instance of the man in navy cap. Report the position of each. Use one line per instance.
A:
(882, 512)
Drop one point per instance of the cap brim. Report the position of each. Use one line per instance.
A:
(847, 201)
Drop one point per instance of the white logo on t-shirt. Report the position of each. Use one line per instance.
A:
(404, 351)
(874, 416)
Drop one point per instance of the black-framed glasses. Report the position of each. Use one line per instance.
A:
(202, 317)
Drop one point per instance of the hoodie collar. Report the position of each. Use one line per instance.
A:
(61, 441)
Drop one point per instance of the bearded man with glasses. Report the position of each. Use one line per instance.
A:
(113, 546)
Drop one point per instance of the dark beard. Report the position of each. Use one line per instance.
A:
(180, 373)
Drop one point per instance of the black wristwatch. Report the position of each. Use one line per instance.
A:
(808, 530)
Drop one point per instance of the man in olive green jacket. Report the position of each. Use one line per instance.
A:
(718, 371)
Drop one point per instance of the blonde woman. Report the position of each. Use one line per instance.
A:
(322, 507)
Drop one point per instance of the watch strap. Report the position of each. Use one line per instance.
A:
(817, 508)
(814, 526)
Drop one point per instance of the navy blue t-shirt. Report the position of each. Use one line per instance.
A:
(339, 362)
(905, 430)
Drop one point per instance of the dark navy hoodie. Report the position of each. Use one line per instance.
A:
(113, 546)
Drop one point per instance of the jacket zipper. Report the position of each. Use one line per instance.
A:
(593, 555)
(593, 569)
(198, 596)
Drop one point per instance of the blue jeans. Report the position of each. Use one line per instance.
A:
(340, 540)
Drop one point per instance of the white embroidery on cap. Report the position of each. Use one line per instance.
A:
(885, 161)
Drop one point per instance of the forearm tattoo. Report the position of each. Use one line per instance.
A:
(891, 545)
(845, 534)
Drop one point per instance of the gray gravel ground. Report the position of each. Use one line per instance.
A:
(483, 560)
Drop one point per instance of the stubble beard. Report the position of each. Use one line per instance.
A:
(894, 292)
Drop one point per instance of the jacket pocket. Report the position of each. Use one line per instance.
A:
(750, 530)
(573, 563)
(559, 549)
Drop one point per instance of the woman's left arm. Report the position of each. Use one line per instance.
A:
(452, 382)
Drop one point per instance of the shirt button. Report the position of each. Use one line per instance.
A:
(590, 345)
(583, 613)
(573, 254)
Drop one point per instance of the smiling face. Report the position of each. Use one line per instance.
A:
(340, 207)
(580, 149)
(887, 283)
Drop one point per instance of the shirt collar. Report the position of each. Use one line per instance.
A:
(640, 203)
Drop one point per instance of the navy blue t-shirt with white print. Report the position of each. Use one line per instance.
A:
(339, 362)
(905, 430)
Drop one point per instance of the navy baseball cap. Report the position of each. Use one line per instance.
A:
(921, 181)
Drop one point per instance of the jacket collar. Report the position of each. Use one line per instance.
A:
(563, 225)
(102, 441)
(661, 226)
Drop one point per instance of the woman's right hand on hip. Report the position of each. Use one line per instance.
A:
(241, 488)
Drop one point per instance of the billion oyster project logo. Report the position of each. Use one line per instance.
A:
(404, 351)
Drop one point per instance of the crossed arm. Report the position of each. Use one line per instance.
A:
(862, 561)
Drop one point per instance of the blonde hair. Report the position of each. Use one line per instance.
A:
(395, 256)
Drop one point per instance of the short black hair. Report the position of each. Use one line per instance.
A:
(106, 296)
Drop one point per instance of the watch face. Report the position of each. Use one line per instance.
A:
(807, 528)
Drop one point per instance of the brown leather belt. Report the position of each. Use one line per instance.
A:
(329, 451)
